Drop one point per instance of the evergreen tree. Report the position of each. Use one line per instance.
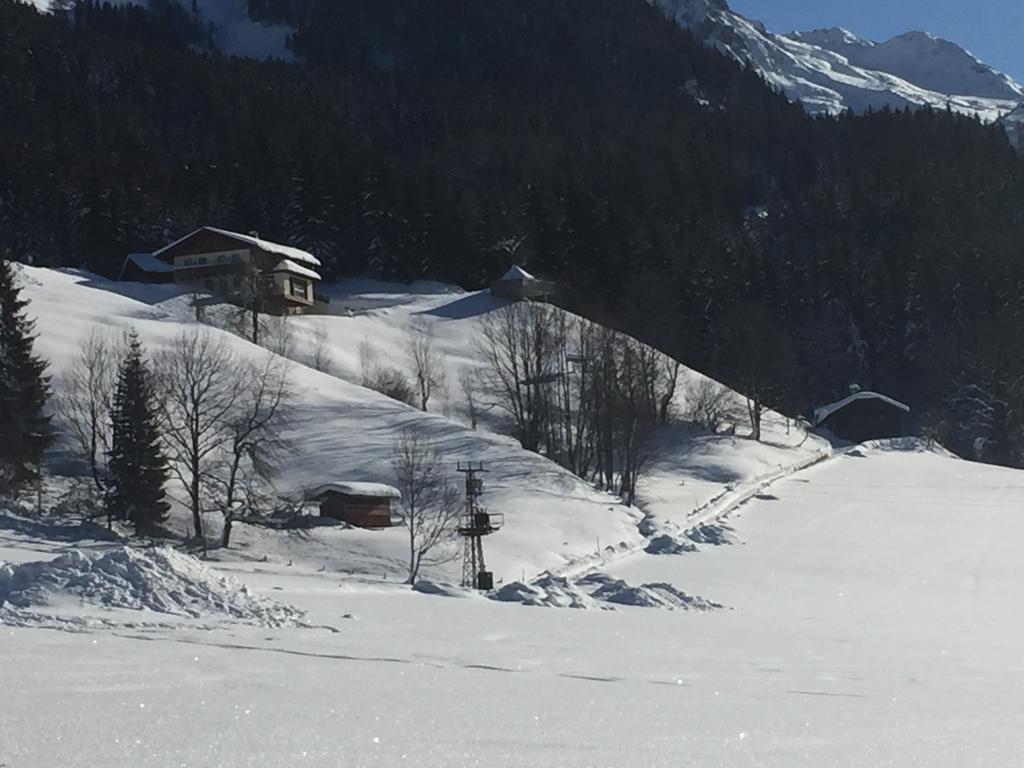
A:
(24, 387)
(137, 463)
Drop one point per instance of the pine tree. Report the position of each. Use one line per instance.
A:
(137, 463)
(24, 387)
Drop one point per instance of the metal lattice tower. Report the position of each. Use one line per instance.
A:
(476, 523)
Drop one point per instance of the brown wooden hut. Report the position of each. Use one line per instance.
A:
(363, 505)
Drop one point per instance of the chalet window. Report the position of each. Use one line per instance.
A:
(298, 287)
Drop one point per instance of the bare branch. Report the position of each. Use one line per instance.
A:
(430, 504)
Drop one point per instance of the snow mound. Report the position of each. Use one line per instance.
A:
(715, 534)
(547, 591)
(601, 591)
(666, 544)
(443, 589)
(663, 596)
(160, 579)
(909, 445)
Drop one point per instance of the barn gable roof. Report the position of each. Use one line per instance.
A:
(822, 413)
(286, 251)
(517, 274)
(289, 266)
(147, 262)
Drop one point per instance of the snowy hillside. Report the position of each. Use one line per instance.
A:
(341, 431)
(833, 70)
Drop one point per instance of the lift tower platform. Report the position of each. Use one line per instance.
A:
(475, 523)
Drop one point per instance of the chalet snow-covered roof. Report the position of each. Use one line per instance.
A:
(289, 266)
(287, 251)
(374, 490)
(822, 413)
(148, 262)
(517, 274)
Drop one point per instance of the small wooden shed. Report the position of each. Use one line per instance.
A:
(517, 284)
(864, 416)
(363, 505)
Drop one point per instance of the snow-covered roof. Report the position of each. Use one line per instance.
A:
(289, 266)
(147, 262)
(294, 254)
(517, 273)
(822, 413)
(378, 490)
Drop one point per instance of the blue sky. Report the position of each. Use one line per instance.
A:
(993, 30)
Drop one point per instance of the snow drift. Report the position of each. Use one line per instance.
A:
(599, 590)
(159, 579)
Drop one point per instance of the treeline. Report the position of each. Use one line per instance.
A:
(669, 190)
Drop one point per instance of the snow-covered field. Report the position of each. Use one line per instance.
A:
(874, 620)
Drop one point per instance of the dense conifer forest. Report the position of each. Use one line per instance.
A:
(667, 189)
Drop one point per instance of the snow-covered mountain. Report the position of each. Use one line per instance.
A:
(831, 70)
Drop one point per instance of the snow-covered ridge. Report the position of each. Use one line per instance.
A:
(832, 70)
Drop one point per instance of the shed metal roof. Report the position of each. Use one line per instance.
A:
(822, 413)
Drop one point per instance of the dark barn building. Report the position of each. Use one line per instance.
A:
(864, 416)
(363, 505)
(145, 268)
(518, 284)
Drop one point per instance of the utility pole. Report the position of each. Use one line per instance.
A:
(476, 523)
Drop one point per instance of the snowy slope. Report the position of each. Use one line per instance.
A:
(833, 70)
(341, 431)
(875, 622)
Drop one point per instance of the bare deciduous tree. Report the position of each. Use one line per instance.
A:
(710, 405)
(199, 391)
(468, 385)
(518, 353)
(759, 358)
(255, 440)
(425, 363)
(278, 336)
(430, 504)
(321, 350)
(85, 398)
(385, 379)
(367, 362)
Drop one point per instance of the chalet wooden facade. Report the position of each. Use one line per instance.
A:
(363, 505)
(238, 268)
